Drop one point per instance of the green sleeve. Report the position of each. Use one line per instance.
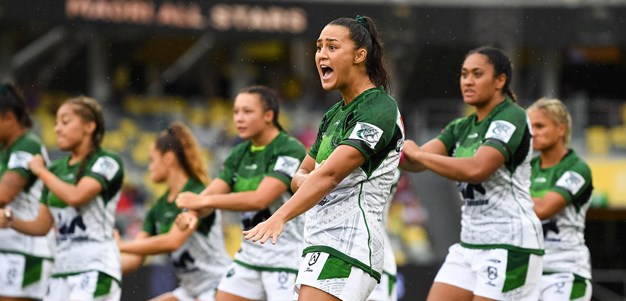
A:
(284, 164)
(108, 170)
(507, 132)
(448, 135)
(21, 153)
(575, 184)
(149, 225)
(373, 125)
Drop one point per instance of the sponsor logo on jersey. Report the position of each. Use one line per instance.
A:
(314, 257)
(19, 159)
(251, 167)
(287, 165)
(501, 130)
(476, 202)
(473, 194)
(541, 180)
(367, 133)
(230, 273)
(550, 230)
(106, 167)
(324, 201)
(571, 181)
(472, 136)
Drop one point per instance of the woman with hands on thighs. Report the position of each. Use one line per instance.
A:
(359, 141)
(488, 153)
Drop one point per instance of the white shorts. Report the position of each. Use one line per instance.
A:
(23, 276)
(498, 274)
(386, 290)
(334, 276)
(254, 284)
(564, 287)
(182, 294)
(87, 286)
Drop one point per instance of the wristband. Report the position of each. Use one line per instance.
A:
(8, 214)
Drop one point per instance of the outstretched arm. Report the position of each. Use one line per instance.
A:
(339, 165)
(39, 226)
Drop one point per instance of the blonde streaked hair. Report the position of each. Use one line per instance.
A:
(557, 111)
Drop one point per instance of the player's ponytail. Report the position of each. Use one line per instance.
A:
(179, 140)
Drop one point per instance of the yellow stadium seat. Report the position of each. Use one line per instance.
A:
(598, 142)
(115, 140)
(618, 136)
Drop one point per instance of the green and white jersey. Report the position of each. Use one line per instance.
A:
(564, 233)
(497, 213)
(390, 267)
(243, 170)
(85, 234)
(25, 205)
(201, 261)
(348, 222)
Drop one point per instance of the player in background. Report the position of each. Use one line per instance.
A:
(561, 188)
(255, 180)
(354, 159)
(25, 261)
(197, 252)
(488, 153)
(81, 193)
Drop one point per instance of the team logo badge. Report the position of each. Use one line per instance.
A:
(501, 130)
(366, 132)
(571, 181)
(106, 167)
(287, 165)
(19, 159)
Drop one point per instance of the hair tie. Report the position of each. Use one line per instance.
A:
(361, 20)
